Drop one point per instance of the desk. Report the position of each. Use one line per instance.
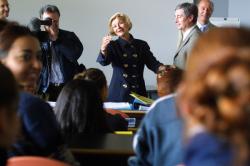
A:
(108, 149)
(111, 144)
(134, 113)
(138, 115)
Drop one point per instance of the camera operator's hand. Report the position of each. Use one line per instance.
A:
(53, 30)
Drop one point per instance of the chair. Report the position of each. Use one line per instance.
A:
(33, 161)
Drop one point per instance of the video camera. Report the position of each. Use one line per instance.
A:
(47, 21)
(35, 27)
(35, 23)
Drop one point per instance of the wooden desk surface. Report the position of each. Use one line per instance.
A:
(134, 113)
(107, 144)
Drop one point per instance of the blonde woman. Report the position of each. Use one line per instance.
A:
(128, 57)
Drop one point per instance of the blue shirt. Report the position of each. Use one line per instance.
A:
(208, 150)
(56, 75)
(158, 141)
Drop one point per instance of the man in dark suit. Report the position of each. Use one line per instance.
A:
(60, 51)
(205, 10)
(185, 18)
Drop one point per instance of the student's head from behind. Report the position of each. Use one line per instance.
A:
(4, 9)
(215, 91)
(20, 51)
(168, 80)
(205, 10)
(219, 100)
(185, 16)
(211, 43)
(9, 122)
(119, 24)
(96, 76)
(79, 108)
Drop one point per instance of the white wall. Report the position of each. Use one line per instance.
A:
(221, 8)
(234, 9)
(240, 9)
(153, 21)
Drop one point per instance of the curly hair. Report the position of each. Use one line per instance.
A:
(217, 86)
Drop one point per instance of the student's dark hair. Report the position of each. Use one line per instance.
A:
(95, 75)
(8, 88)
(3, 23)
(190, 9)
(50, 9)
(79, 109)
(9, 32)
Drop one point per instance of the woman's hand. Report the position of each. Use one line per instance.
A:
(105, 41)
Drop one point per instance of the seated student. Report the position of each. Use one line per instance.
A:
(79, 110)
(215, 104)
(40, 134)
(115, 119)
(9, 121)
(161, 122)
(159, 139)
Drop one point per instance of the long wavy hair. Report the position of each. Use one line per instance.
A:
(217, 86)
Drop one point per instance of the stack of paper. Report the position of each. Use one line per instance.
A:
(117, 105)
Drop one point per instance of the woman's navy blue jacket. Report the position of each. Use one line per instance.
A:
(128, 60)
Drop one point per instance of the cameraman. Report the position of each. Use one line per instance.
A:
(60, 51)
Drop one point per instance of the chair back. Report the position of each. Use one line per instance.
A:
(33, 161)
